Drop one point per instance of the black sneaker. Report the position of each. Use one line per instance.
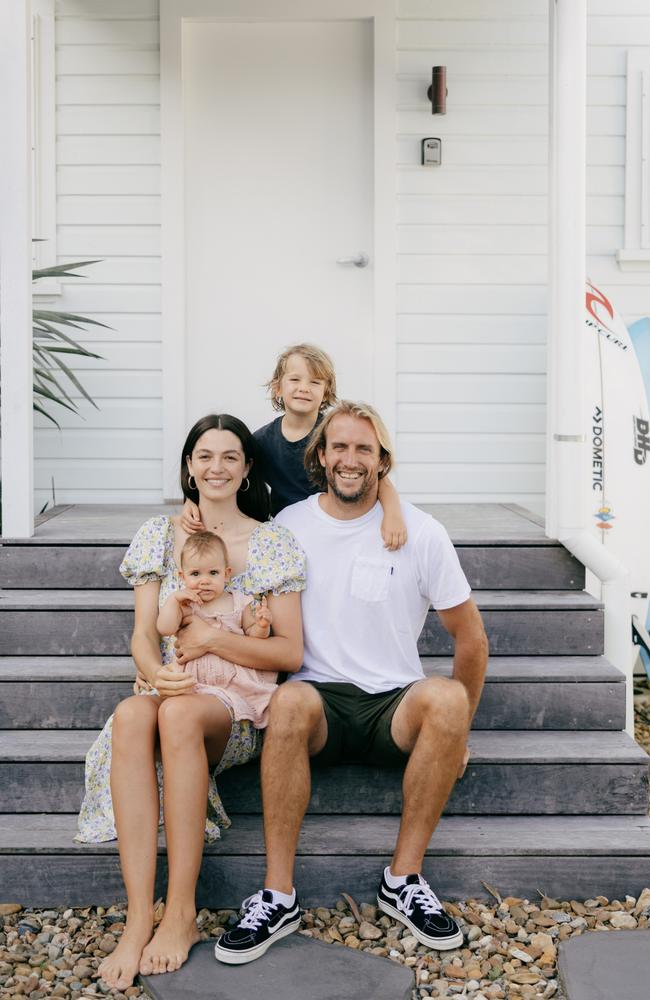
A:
(415, 904)
(264, 922)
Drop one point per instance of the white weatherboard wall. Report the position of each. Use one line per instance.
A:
(471, 323)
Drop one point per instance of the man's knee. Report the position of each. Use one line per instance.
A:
(443, 702)
(296, 708)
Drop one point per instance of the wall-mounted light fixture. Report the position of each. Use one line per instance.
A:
(437, 92)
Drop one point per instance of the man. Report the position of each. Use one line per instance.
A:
(361, 693)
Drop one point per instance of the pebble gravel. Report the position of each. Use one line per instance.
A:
(510, 946)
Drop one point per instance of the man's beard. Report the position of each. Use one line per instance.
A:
(366, 484)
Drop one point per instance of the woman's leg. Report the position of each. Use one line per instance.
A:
(194, 730)
(134, 790)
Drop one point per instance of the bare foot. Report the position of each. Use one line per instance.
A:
(170, 945)
(119, 969)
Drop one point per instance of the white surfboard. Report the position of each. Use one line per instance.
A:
(618, 381)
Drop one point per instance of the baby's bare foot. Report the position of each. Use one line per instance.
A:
(119, 969)
(170, 945)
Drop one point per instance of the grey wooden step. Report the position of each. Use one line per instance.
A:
(500, 566)
(520, 692)
(568, 857)
(68, 622)
(510, 772)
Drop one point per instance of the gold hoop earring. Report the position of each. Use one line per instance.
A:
(189, 482)
(248, 485)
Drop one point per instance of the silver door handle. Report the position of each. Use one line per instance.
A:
(361, 260)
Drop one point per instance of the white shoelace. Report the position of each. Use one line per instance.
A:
(421, 893)
(257, 910)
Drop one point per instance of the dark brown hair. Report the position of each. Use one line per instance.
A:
(252, 501)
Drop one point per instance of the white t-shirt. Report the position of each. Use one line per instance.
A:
(364, 607)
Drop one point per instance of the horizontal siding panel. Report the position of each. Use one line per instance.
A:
(606, 90)
(606, 61)
(97, 8)
(122, 149)
(604, 239)
(140, 473)
(120, 385)
(97, 90)
(473, 479)
(605, 121)
(472, 389)
(619, 30)
(115, 179)
(603, 269)
(108, 120)
(485, 91)
(498, 359)
(477, 180)
(496, 121)
(126, 210)
(106, 241)
(106, 60)
(477, 299)
(464, 239)
(443, 34)
(605, 211)
(494, 61)
(98, 31)
(471, 329)
(126, 270)
(140, 327)
(504, 151)
(495, 210)
(117, 357)
(622, 7)
(482, 448)
(605, 180)
(474, 10)
(90, 443)
(113, 414)
(468, 418)
(606, 151)
(465, 269)
(113, 299)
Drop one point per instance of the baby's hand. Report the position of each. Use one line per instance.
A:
(393, 532)
(186, 596)
(263, 615)
(191, 518)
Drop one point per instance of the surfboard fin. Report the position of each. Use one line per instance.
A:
(641, 638)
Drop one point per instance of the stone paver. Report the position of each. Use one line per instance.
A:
(296, 968)
(606, 966)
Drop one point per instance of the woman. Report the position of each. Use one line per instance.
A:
(194, 732)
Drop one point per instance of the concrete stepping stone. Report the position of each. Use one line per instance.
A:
(605, 965)
(296, 968)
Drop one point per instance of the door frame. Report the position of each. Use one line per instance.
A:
(173, 13)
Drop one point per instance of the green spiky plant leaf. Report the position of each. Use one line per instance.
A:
(51, 345)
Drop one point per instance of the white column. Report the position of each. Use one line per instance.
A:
(566, 506)
(15, 270)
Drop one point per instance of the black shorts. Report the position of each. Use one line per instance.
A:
(358, 725)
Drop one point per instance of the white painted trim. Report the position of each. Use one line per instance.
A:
(567, 455)
(44, 143)
(636, 252)
(16, 468)
(172, 14)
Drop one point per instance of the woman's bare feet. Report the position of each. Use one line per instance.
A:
(171, 944)
(119, 969)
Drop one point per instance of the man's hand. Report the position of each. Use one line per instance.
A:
(196, 639)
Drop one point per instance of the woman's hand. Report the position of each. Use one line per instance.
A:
(191, 518)
(141, 683)
(196, 639)
(170, 681)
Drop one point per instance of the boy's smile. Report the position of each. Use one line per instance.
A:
(301, 391)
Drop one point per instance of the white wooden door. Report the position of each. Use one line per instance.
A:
(278, 149)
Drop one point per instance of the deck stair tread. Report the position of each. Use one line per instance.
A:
(44, 833)
(512, 746)
(118, 600)
(501, 669)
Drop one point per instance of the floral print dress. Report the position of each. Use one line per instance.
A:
(276, 564)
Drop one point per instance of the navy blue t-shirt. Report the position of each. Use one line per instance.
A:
(282, 466)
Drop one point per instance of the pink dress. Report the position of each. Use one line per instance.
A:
(245, 691)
